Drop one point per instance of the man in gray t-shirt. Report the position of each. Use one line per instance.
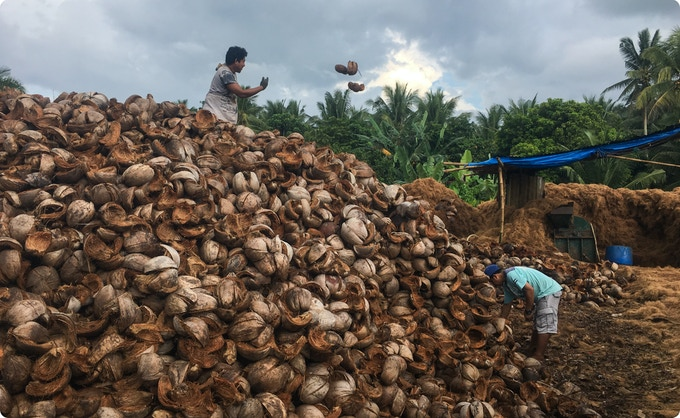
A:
(224, 87)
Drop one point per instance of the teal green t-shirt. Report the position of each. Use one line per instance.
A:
(517, 277)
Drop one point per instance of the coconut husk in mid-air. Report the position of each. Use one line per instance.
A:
(356, 87)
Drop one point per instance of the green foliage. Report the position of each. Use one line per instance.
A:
(608, 171)
(339, 123)
(611, 171)
(461, 173)
(455, 137)
(470, 187)
(9, 82)
(670, 153)
(433, 167)
(396, 105)
(648, 179)
(409, 148)
(486, 128)
(286, 118)
(418, 143)
(249, 113)
(476, 189)
(337, 105)
(665, 92)
(640, 74)
(286, 123)
(339, 134)
(550, 127)
(349, 136)
(439, 109)
(385, 138)
(525, 149)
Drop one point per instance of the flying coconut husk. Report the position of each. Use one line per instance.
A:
(352, 67)
(355, 87)
(341, 68)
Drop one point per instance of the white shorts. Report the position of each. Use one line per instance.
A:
(545, 321)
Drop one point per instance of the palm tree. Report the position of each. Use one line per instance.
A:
(396, 106)
(441, 122)
(9, 82)
(249, 113)
(337, 105)
(640, 72)
(490, 121)
(286, 118)
(487, 126)
(521, 106)
(668, 153)
(665, 93)
(610, 171)
(611, 110)
(439, 109)
(608, 105)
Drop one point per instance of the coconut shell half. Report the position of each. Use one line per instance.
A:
(355, 87)
(352, 67)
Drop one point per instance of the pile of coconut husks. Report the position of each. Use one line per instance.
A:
(157, 262)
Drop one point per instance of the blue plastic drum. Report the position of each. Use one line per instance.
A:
(619, 254)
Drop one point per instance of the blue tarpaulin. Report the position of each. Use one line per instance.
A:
(541, 162)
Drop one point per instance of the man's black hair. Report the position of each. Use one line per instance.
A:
(235, 53)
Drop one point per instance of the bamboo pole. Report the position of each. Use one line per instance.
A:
(501, 191)
(643, 161)
(449, 170)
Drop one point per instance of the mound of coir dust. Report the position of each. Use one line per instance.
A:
(647, 220)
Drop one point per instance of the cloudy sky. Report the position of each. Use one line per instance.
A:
(483, 51)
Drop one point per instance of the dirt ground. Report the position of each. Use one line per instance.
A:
(624, 358)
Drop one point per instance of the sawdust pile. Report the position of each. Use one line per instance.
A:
(648, 220)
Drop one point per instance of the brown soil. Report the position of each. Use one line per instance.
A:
(625, 358)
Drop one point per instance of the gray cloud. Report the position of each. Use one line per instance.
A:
(486, 52)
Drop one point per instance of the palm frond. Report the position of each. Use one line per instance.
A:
(647, 180)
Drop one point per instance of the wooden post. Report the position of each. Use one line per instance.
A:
(501, 192)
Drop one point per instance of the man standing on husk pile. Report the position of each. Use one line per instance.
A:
(221, 99)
